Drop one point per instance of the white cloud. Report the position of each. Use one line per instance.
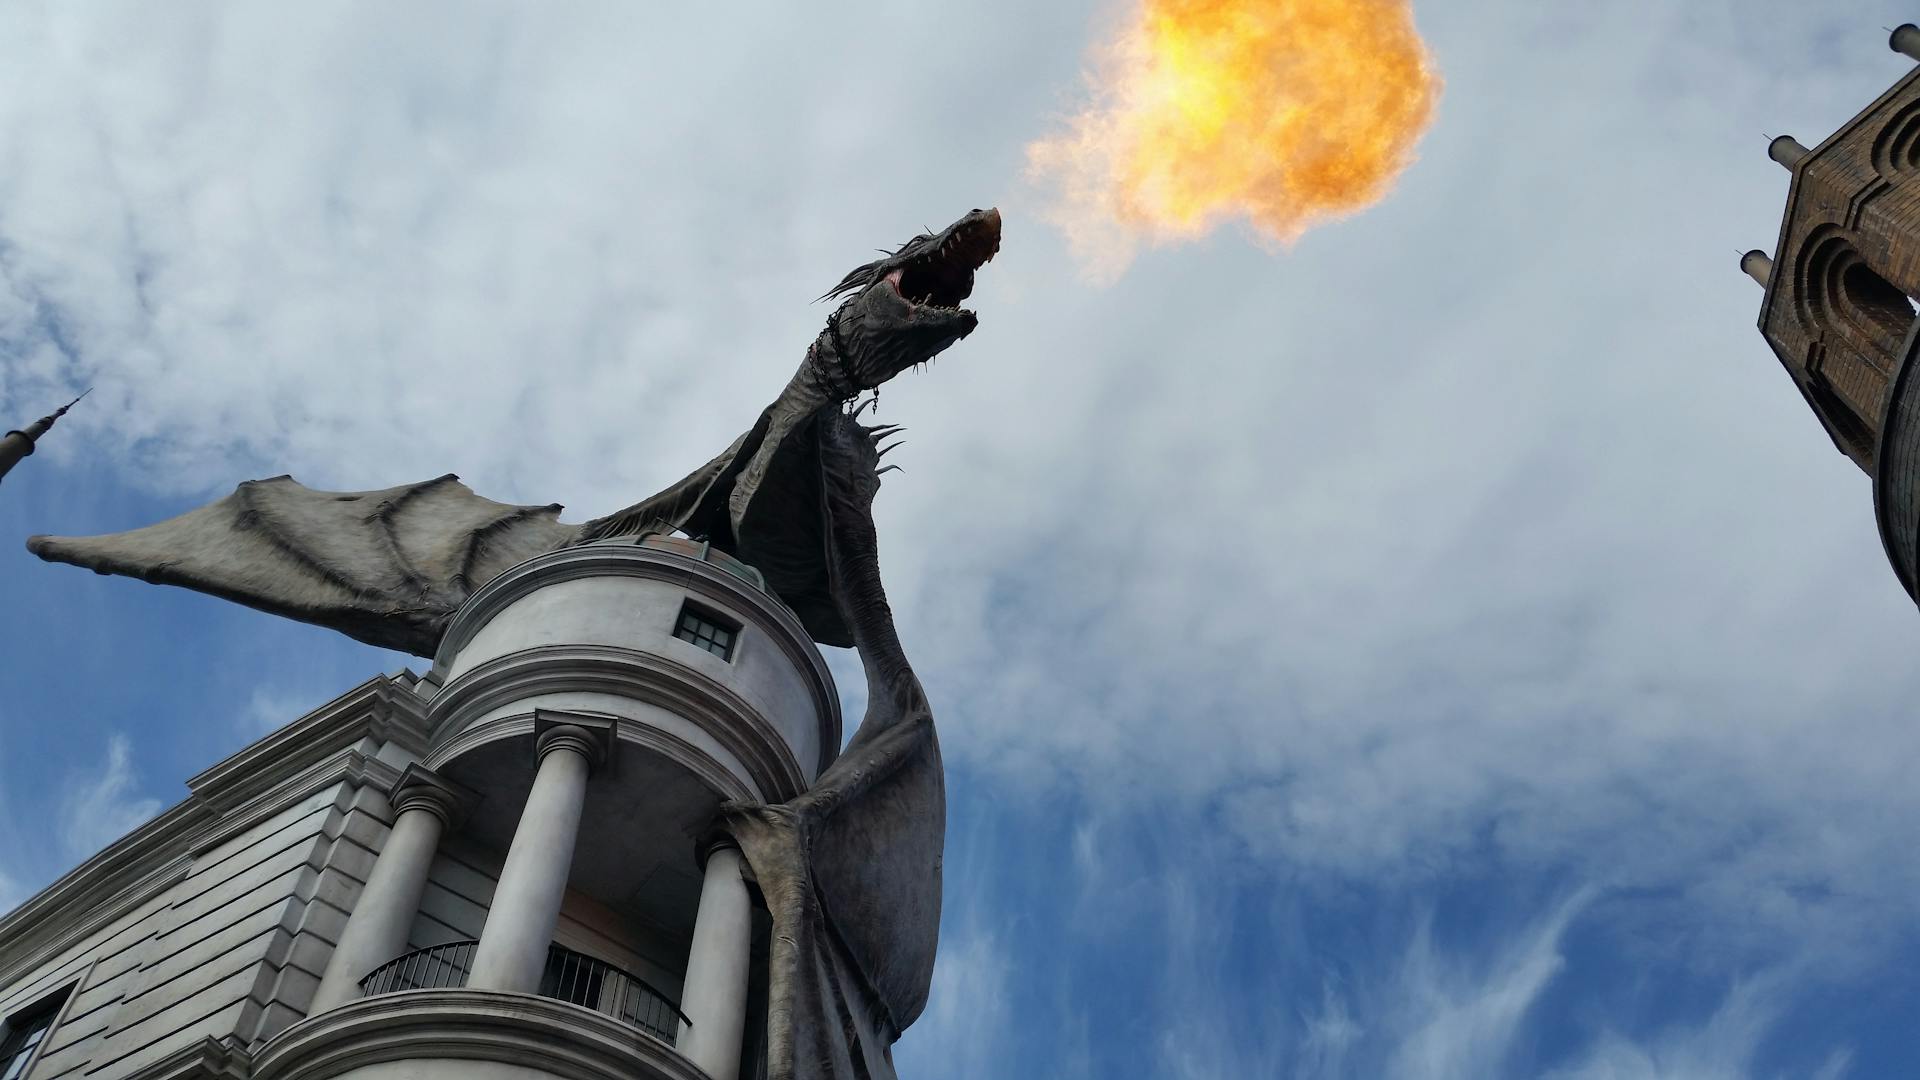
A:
(1726, 1047)
(1478, 529)
(274, 707)
(1461, 1023)
(969, 1026)
(103, 804)
(1416, 1010)
(967, 1020)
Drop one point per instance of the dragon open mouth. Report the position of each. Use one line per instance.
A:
(943, 276)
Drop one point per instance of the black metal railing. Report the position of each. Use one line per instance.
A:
(435, 967)
(568, 976)
(579, 978)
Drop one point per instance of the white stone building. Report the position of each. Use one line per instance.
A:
(499, 869)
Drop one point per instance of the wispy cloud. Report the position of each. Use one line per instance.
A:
(1477, 535)
(1412, 1009)
(273, 707)
(103, 804)
(968, 1019)
(1457, 1017)
(1726, 1047)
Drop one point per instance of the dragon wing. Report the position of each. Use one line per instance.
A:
(385, 567)
(760, 501)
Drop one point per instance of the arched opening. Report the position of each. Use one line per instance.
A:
(1840, 293)
(1896, 149)
(1875, 306)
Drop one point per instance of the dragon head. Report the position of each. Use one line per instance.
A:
(904, 309)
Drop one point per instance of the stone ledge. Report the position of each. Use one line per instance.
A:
(208, 1059)
(761, 748)
(541, 1036)
(777, 620)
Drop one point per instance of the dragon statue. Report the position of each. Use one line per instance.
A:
(851, 868)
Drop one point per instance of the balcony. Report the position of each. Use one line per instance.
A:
(569, 976)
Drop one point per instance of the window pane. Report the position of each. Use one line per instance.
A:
(708, 633)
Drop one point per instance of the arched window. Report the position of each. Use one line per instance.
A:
(1840, 293)
(1896, 149)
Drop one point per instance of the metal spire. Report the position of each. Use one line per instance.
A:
(18, 444)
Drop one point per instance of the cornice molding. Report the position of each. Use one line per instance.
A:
(543, 1036)
(377, 708)
(625, 730)
(208, 1059)
(630, 673)
(621, 560)
(292, 764)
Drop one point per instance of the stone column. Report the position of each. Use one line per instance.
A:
(526, 903)
(715, 998)
(376, 932)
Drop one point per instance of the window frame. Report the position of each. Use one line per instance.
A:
(719, 626)
(28, 1028)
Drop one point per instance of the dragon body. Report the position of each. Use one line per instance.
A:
(851, 869)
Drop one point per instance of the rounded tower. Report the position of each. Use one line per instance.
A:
(551, 900)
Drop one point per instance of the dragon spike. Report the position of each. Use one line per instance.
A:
(884, 469)
(863, 407)
(889, 446)
(881, 431)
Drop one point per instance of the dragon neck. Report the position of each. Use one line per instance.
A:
(825, 374)
(893, 690)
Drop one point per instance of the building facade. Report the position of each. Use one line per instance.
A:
(1837, 309)
(502, 868)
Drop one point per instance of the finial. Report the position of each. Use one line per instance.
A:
(19, 444)
(1758, 265)
(1786, 150)
(62, 410)
(1905, 40)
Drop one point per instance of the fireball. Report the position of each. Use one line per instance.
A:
(1281, 113)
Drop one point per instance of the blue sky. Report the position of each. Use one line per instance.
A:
(1444, 648)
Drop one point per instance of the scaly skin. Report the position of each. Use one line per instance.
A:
(899, 312)
(851, 870)
(850, 462)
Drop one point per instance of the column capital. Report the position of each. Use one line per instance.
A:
(589, 736)
(712, 840)
(423, 789)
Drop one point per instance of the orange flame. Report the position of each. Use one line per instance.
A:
(1285, 112)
